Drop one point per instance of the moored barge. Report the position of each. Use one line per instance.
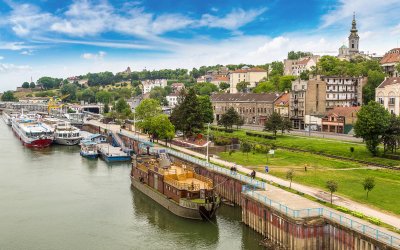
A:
(174, 186)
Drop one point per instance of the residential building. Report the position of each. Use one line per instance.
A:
(343, 91)
(216, 80)
(306, 98)
(388, 94)
(148, 85)
(251, 75)
(253, 108)
(172, 99)
(389, 62)
(296, 67)
(281, 105)
(177, 87)
(340, 120)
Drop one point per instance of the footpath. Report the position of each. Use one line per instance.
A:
(387, 218)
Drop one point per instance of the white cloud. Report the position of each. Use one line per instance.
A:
(233, 20)
(10, 68)
(27, 52)
(274, 44)
(97, 56)
(16, 46)
(1, 57)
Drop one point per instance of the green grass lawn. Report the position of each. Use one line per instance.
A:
(317, 145)
(321, 169)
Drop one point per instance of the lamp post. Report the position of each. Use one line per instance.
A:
(208, 137)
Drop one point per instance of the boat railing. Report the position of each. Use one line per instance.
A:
(204, 179)
(181, 186)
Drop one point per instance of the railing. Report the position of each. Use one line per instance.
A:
(194, 205)
(181, 186)
(328, 214)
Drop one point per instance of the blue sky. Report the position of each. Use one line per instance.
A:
(65, 38)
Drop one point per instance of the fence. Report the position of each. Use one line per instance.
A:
(328, 214)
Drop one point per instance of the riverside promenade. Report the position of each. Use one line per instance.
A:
(290, 204)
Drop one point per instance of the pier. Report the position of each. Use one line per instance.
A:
(286, 220)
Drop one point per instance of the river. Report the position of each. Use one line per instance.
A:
(55, 199)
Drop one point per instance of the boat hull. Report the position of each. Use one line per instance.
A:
(41, 143)
(115, 158)
(89, 156)
(168, 204)
(67, 142)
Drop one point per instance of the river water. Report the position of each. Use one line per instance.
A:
(55, 199)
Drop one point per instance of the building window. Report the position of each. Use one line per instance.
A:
(380, 100)
(391, 101)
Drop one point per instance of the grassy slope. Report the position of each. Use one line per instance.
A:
(321, 169)
(328, 146)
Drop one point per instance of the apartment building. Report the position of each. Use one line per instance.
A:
(251, 75)
(343, 91)
(148, 85)
(388, 94)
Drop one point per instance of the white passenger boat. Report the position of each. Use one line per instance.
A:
(31, 131)
(64, 132)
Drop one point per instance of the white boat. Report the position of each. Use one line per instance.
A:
(31, 131)
(64, 132)
(8, 116)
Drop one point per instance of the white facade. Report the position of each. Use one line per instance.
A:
(172, 100)
(148, 85)
(388, 94)
(343, 91)
(296, 67)
(252, 76)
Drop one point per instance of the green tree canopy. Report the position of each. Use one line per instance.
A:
(368, 184)
(88, 95)
(242, 86)
(162, 128)
(206, 108)
(159, 94)
(25, 85)
(8, 96)
(273, 123)
(70, 90)
(375, 77)
(224, 85)
(32, 85)
(103, 96)
(230, 118)
(145, 112)
(49, 82)
(292, 55)
(332, 186)
(372, 122)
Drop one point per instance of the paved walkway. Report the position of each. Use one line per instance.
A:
(315, 192)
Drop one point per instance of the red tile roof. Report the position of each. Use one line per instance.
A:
(343, 111)
(393, 56)
(221, 78)
(389, 81)
(283, 99)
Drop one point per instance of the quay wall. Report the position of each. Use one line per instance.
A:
(280, 231)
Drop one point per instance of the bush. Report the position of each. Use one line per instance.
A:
(343, 209)
(222, 141)
(357, 214)
(262, 135)
(374, 220)
(231, 151)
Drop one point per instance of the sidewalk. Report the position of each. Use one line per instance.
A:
(315, 192)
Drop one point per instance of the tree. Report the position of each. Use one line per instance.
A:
(205, 88)
(103, 96)
(375, 78)
(305, 75)
(391, 137)
(106, 108)
(372, 122)
(285, 83)
(32, 85)
(8, 96)
(245, 147)
(88, 95)
(162, 128)
(289, 176)
(224, 85)
(229, 119)
(332, 186)
(242, 86)
(398, 68)
(273, 123)
(286, 125)
(206, 108)
(121, 106)
(187, 115)
(25, 85)
(145, 112)
(49, 82)
(292, 55)
(264, 87)
(159, 94)
(70, 90)
(368, 184)
(277, 68)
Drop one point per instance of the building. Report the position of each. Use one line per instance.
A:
(388, 94)
(281, 105)
(306, 98)
(353, 43)
(34, 100)
(340, 120)
(177, 87)
(253, 108)
(172, 99)
(148, 85)
(389, 62)
(296, 67)
(343, 91)
(216, 80)
(134, 102)
(251, 75)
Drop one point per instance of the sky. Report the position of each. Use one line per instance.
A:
(66, 38)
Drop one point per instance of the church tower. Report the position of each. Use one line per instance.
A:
(354, 39)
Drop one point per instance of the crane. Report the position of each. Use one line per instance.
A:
(55, 102)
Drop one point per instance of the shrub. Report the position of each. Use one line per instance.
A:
(374, 220)
(262, 135)
(222, 141)
(357, 214)
(343, 209)
(231, 151)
